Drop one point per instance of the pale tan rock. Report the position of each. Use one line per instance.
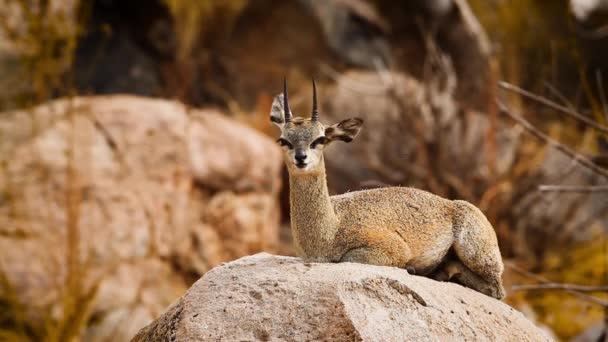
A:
(155, 194)
(273, 298)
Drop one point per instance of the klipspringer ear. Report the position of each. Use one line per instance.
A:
(345, 130)
(280, 113)
(277, 115)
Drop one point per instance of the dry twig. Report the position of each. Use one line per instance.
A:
(559, 95)
(557, 286)
(553, 105)
(580, 159)
(602, 92)
(573, 188)
(543, 280)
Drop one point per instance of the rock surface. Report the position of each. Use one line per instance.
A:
(414, 134)
(124, 202)
(274, 298)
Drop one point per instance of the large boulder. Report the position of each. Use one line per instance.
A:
(273, 298)
(116, 204)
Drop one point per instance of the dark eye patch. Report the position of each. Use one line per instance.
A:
(284, 142)
(319, 141)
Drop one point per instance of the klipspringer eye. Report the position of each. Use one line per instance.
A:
(283, 142)
(319, 141)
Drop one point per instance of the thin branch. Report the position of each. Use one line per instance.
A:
(602, 92)
(543, 280)
(559, 95)
(561, 287)
(573, 188)
(580, 159)
(553, 105)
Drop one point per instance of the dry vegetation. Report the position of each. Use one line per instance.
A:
(41, 39)
(535, 48)
(538, 48)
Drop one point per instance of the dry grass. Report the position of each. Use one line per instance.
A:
(65, 319)
(567, 315)
(42, 38)
(202, 19)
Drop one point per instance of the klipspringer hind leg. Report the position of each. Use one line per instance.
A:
(476, 247)
(379, 248)
(455, 270)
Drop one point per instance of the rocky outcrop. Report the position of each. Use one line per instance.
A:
(122, 202)
(272, 298)
(414, 134)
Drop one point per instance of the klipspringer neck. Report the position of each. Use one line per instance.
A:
(313, 220)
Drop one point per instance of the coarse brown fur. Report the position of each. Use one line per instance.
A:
(394, 226)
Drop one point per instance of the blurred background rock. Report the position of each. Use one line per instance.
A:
(136, 150)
